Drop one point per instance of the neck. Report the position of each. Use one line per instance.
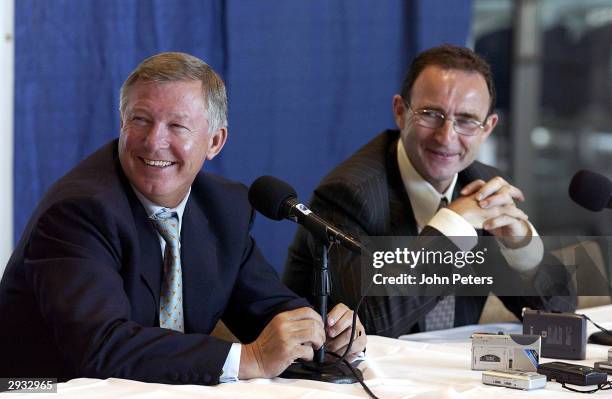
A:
(440, 187)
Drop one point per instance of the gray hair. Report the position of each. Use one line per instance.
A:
(173, 67)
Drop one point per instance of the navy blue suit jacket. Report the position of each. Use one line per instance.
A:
(80, 294)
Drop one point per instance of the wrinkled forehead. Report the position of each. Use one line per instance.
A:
(178, 98)
(452, 90)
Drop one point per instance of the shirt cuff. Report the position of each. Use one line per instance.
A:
(232, 364)
(526, 258)
(456, 228)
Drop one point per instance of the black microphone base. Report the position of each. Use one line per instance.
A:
(335, 374)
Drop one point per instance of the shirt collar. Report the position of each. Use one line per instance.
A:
(151, 208)
(424, 198)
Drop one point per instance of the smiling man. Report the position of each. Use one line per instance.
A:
(423, 180)
(131, 258)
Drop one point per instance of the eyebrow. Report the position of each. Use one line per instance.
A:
(468, 115)
(175, 115)
(180, 115)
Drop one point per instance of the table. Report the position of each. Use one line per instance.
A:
(394, 368)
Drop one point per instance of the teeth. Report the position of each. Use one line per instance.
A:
(442, 153)
(159, 164)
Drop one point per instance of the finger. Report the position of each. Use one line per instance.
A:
(500, 221)
(472, 187)
(304, 352)
(296, 332)
(339, 341)
(496, 184)
(343, 339)
(514, 192)
(358, 345)
(513, 211)
(490, 187)
(345, 323)
(502, 197)
(301, 314)
(510, 217)
(289, 320)
(506, 210)
(337, 313)
(292, 332)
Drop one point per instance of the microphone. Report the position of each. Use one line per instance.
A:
(591, 190)
(277, 200)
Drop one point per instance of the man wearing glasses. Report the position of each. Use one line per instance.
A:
(423, 180)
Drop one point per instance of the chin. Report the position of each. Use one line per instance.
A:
(441, 174)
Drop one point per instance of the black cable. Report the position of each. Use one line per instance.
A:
(359, 379)
(342, 359)
(579, 391)
(353, 326)
(600, 387)
(597, 325)
(352, 338)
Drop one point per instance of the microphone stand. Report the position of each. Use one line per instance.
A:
(317, 369)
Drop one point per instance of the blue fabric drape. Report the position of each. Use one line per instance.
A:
(308, 81)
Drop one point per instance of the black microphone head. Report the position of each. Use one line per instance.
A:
(590, 190)
(269, 196)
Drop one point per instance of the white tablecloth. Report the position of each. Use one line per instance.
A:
(393, 369)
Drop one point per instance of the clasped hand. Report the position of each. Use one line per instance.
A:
(295, 335)
(491, 206)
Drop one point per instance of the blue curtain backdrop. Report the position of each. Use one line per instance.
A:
(309, 82)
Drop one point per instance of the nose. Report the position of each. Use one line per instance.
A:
(445, 134)
(156, 137)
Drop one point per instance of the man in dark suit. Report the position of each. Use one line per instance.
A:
(423, 180)
(131, 258)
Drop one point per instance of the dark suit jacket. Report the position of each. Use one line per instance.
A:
(80, 294)
(365, 196)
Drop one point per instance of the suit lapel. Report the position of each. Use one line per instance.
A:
(151, 260)
(148, 266)
(198, 260)
(402, 218)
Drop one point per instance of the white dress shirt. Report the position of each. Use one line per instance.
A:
(232, 362)
(424, 199)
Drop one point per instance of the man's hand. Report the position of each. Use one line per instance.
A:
(498, 213)
(339, 322)
(289, 336)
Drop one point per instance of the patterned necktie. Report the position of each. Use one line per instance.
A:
(171, 297)
(442, 316)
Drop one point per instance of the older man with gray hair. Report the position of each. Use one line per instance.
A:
(131, 258)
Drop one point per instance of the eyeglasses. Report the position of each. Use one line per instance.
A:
(432, 119)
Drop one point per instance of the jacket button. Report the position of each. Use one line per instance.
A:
(184, 378)
(174, 376)
(206, 378)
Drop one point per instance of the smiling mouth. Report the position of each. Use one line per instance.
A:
(157, 163)
(442, 154)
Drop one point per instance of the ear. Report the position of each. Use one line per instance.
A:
(399, 111)
(216, 141)
(490, 125)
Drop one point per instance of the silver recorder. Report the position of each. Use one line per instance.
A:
(526, 380)
(505, 352)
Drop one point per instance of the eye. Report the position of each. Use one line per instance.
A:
(467, 123)
(179, 129)
(430, 114)
(139, 120)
